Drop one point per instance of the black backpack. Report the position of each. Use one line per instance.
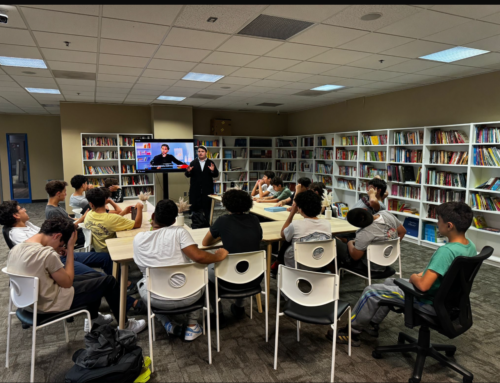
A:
(198, 220)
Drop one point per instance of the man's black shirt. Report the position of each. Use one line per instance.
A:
(168, 159)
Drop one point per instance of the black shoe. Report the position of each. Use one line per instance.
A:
(343, 337)
(132, 289)
(238, 312)
(139, 308)
(373, 330)
(213, 321)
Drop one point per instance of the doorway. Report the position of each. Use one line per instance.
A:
(19, 169)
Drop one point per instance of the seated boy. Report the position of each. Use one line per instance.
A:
(114, 187)
(263, 186)
(380, 227)
(281, 192)
(454, 218)
(240, 233)
(377, 192)
(168, 245)
(103, 225)
(303, 184)
(77, 199)
(309, 229)
(59, 288)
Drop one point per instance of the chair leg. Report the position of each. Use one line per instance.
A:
(276, 338)
(349, 326)
(150, 335)
(298, 331)
(217, 320)
(209, 335)
(334, 344)
(251, 307)
(154, 328)
(33, 347)
(267, 317)
(203, 316)
(447, 348)
(9, 319)
(66, 331)
(433, 353)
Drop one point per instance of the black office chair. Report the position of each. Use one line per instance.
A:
(6, 235)
(453, 316)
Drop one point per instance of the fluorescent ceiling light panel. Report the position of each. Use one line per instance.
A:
(454, 54)
(41, 90)
(171, 98)
(325, 88)
(193, 76)
(24, 63)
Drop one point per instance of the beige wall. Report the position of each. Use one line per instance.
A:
(44, 149)
(243, 123)
(472, 99)
(79, 118)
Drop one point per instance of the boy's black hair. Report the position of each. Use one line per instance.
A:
(378, 183)
(168, 147)
(309, 202)
(106, 191)
(97, 197)
(304, 181)
(58, 225)
(110, 182)
(458, 213)
(359, 217)
(166, 211)
(237, 201)
(78, 180)
(53, 187)
(277, 181)
(269, 174)
(318, 187)
(7, 211)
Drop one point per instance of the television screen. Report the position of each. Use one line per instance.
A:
(161, 156)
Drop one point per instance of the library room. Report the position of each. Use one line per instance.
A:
(250, 192)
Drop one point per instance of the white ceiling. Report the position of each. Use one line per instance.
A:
(139, 52)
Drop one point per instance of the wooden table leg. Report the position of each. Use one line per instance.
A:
(268, 276)
(123, 294)
(212, 212)
(115, 270)
(259, 303)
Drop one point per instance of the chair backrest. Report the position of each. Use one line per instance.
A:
(315, 254)
(384, 253)
(308, 288)
(159, 280)
(88, 235)
(77, 212)
(241, 268)
(6, 235)
(452, 301)
(23, 289)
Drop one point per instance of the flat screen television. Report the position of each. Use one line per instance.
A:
(163, 156)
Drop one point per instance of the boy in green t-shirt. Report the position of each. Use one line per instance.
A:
(454, 218)
(281, 192)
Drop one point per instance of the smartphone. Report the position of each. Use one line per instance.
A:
(134, 212)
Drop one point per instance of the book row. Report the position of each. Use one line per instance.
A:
(103, 155)
(101, 170)
(409, 138)
(442, 178)
(128, 168)
(281, 153)
(486, 156)
(207, 143)
(400, 173)
(135, 180)
(324, 154)
(405, 191)
(484, 202)
(406, 155)
(375, 156)
(134, 192)
(367, 139)
(440, 195)
(288, 166)
(368, 171)
(444, 157)
(282, 142)
(346, 184)
(448, 137)
(487, 135)
(349, 140)
(323, 168)
(347, 171)
(99, 141)
(350, 155)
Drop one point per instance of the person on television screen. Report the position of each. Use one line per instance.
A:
(164, 158)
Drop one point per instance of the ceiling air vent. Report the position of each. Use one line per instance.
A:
(205, 96)
(274, 27)
(74, 75)
(268, 104)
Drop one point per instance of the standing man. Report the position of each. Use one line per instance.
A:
(202, 171)
(164, 158)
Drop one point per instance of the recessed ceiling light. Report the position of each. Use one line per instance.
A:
(192, 76)
(42, 90)
(454, 54)
(325, 88)
(171, 98)
(371, 16)
(21, 62)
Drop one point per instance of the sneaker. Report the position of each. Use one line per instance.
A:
(373, 330)
(343, 337)
(169, 327)
(238, 312)
(132, 289)
(100, 320)
(192, 333)
(274, 269)
(135, 325)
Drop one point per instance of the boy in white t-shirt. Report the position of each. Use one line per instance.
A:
(311, 228)
(263, 186)
(168, 245)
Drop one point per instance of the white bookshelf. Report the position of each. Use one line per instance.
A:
(142, 181)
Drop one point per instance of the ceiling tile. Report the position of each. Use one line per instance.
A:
(272, 83)
(465, 33)
(451, 70)
(354, 82)
(77, 67)
(71, 56)
(119, 70)
(67, 81)
(181, 66)
(28, 81)
(127, 48)
(214, 69)
(296, 51)
(194, 101)
(237, 80)
(489, 44)
(423, 24)
(253, 73)
(116, 78)
(143, 96)
(417, 49)
(306, 12)
(311, 68)
(184, 54)
(165, 74)
(416, 78)
(180, 91)
(16, 37)
(219, 86)
(327, 35)
(272, 63)
(224, 58)
(125, 61)
(113, 89)
(60, 22)
(229, 20)
(153, 14)
(132, 31)
(347, 71)
(191, 84)
(255, 89)
(384, 85)
(220, 92)
(473, 11)
(154, 81)
(379, 75)
(194, 39)
(248, 45)
(92, 10)
(74, 94)
(351, 17)
(488, 60)
(283, 91)
(375, 43)
(412, 66)
(339, 56)
(16, 71)
(56, 41)
(300, 86)
(323, 80)
(289, 76)
(378, 61)
(78, 88)
(494, 18)
(20, 51)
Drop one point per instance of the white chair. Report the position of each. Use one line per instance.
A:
(24, 293)
(159, 282)
(88, 239)
(312, 298)
(315, 254)
(241, 268)
(78, 212)
(382, 254)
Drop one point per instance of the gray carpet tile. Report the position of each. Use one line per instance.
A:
(246, 357)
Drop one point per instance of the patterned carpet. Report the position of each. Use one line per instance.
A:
(246, 357)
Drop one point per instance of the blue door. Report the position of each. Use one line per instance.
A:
(19, 169)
